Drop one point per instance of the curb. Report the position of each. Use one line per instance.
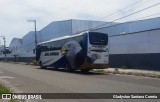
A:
(141, 73)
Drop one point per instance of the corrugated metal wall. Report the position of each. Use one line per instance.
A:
(83, 25)
(131, 27)
(56, 29)
(28, 42)
(139, 50)
(15, 45)
(140, 42)
(135, 44)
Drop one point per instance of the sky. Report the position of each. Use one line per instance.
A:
(15, 13)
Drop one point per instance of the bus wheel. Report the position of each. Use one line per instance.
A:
(85, 70)
(55, 68)
(68, 68)
(42, 67)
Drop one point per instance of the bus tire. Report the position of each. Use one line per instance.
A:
(68, 67)
(41, 66)
(55, 68)
(85, 70)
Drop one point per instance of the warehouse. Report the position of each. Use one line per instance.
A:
(15, 45)
(135, 44)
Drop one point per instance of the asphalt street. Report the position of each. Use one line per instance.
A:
(32, 79)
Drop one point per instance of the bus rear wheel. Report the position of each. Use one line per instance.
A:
(68, 68)
(85, 70)
(55, 68)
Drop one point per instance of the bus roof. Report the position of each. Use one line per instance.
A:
(61, 38)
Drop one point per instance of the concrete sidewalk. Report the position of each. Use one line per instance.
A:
(137, 72)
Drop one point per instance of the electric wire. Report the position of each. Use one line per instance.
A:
(125, 16)
(121, 9)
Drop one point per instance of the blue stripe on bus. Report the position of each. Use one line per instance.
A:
(60, 63)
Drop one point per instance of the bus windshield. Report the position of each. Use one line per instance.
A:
(98, 38)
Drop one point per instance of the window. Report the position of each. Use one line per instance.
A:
(80, 39)
(98, 38)
(61, 43)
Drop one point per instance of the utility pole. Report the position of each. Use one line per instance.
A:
(34, 32)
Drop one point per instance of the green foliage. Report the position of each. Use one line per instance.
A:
(34, 62)
(158, 76)
(13, 100)
(116, 71)
(140, 74)
(4, 89)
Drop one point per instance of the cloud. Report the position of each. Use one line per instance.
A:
(14, 13)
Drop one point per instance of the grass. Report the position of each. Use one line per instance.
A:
(5, 90)
(140, 74)
(34, 62)
(158, 76)
(116, 71)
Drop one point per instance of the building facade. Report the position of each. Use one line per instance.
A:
(135, 44)
(15, 45)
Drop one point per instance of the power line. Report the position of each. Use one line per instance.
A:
(121, 9)
(125, 16)
(131, 20)
(147, 16)
(111, 14)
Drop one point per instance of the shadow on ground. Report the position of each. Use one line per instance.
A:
(74, 72)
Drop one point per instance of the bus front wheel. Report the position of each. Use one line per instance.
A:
(41, 66)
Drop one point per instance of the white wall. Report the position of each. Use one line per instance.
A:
(143, 42)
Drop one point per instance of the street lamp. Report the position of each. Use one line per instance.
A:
(4, 39)
(34, 32)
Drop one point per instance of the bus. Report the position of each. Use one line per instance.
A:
(84, 51)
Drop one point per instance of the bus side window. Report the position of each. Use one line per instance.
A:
(79, 39)
(53, 44)
(50, 46)
(46, 47)
(58, 44)
(61, 43)
(69, 39)
(43, 48)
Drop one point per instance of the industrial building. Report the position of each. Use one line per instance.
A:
(135, 44)
(132, 44)
(15, 45)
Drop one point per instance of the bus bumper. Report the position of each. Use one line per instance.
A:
(94, 66)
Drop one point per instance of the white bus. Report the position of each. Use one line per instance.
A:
(84, 51)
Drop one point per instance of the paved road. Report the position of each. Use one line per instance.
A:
(32, 79)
